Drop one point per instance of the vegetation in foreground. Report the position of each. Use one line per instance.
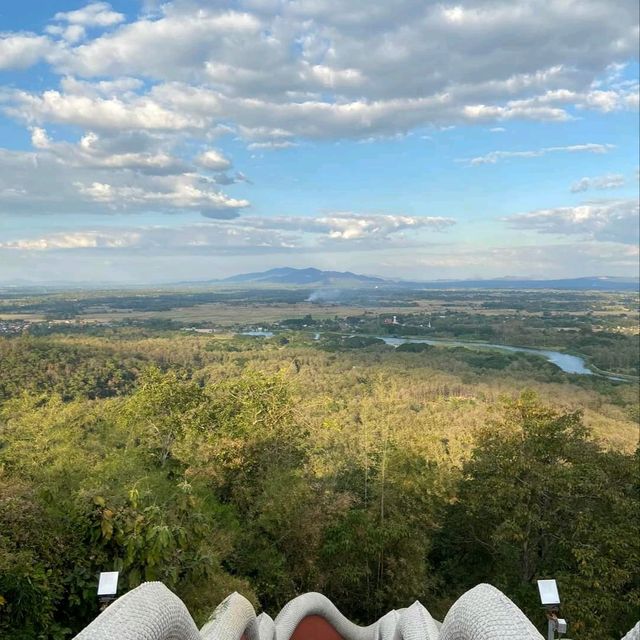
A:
(275, 467)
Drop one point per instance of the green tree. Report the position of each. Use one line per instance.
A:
(539, 498)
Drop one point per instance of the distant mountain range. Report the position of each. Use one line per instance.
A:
(318, 277)
(310, 276)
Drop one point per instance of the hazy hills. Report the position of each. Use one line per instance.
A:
(291, 276)
(318, 277)
(312, 277)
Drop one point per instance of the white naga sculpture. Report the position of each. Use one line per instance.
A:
(152, 612)
(634, 634)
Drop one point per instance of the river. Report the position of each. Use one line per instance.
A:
(564, 361)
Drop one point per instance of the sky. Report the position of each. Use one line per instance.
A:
(153, 142)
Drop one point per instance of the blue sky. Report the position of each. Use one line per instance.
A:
(152, 142)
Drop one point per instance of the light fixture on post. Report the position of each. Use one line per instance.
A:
(107, 588)
(550, 599)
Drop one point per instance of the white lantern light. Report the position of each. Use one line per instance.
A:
(108, 584)
(548, 590)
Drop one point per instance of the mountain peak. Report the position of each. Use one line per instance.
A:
(306, 276)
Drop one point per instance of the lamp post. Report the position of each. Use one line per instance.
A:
(550, 599)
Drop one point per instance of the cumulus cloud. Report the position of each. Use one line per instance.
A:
(95, 14)
(167, 46)
(610, 181)
(92, 152)
(493, 157)
(131, 172)
(22, 50)
(106, 114)
(607, 221)
(318, 69)
(133, 160)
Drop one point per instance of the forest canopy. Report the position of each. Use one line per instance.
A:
(274, 467)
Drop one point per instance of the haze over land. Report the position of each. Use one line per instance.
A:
(157, 142)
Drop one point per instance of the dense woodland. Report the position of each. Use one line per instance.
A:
(278, 466)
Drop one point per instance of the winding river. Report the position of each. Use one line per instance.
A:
(564, 361)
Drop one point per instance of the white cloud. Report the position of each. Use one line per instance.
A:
(494, 157)
(115, 114)
(74, 240)
(212, 159)
(39, 138)
(187, 191)
(95, 14)
(607, 221)
(610, 181)
(167, 47)
(123, 87)
(93, 151)
(347, 226)
(353, 226)
(71, 33)
(319, 69)
(245, 234)
(190, 239)
(22, 50)
(130, 172)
